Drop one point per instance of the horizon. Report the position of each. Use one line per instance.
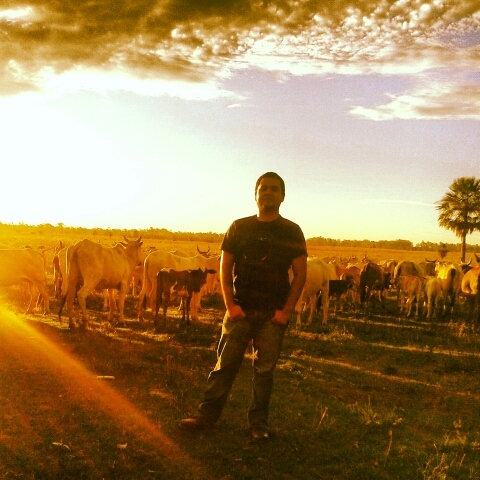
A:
(108, 231)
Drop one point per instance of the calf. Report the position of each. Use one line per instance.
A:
(410, 286)
(337, 289)
(433, 296)
(184, 283)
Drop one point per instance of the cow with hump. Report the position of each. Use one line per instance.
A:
(451, 277)
(91, 266)
(25, 265)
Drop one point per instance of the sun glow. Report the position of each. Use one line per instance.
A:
(83, 384)
(13, 14)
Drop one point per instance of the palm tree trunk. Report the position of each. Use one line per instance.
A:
(463, 251)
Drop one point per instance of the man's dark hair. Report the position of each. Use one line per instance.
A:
(274, 175)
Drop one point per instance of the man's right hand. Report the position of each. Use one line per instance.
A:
(235, 312)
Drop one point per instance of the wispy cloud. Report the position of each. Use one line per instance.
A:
(438, 100)
(396, 201)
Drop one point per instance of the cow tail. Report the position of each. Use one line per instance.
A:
(63, 299)
(363, 285)
(158, 296)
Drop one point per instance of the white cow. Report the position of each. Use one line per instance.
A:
(92, 266)
(25, 265)
(319, 273)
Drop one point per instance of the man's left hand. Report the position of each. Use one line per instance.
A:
(280, 318)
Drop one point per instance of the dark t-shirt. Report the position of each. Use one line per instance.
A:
(263, 253)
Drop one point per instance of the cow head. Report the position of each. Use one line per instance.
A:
(465, 267)
(186, 282)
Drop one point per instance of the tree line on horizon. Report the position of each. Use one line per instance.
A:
(212, 237)
(459, 211)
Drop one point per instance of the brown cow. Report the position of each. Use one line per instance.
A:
(372, 278)
(185, 283)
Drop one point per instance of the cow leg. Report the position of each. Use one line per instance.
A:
(298, 322)
(298, 312)
(186, 310)
(408, 306)
(122, 293)
(325, 304)
(194, 304)
(429, 302)
(312, 309)
(82, 295)
(152, 297)
(141, 304)
(33, 294)
(69, 298)
(44, 295)
(165, 299)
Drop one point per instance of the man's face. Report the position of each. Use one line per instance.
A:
(269, 194)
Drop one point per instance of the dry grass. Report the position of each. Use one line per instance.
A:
(372, 397)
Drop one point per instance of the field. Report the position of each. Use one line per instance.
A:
(368, 397)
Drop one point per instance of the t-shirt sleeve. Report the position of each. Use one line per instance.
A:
(228, 240)
(299, 244)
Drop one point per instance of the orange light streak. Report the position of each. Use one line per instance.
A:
(37, 348)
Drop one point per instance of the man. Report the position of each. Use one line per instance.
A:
(257, 253)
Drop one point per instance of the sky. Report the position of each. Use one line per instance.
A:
(163, 113)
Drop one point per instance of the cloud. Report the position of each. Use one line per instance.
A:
(195, 43)
(436, 101)
(397, 202)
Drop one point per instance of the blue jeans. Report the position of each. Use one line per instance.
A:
(267, 338)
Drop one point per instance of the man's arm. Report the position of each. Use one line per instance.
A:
(226, 281)
(299, 270)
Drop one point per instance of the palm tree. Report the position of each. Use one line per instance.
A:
(460, 209)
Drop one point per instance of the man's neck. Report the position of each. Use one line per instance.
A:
(268, 216)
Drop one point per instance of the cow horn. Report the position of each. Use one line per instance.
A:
(430, 261)
(202, 253)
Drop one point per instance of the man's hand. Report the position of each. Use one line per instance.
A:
(280, 318)
(235, 312)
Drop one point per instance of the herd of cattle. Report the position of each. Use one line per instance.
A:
(86, 267)
(155, 277)
(435, 284)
